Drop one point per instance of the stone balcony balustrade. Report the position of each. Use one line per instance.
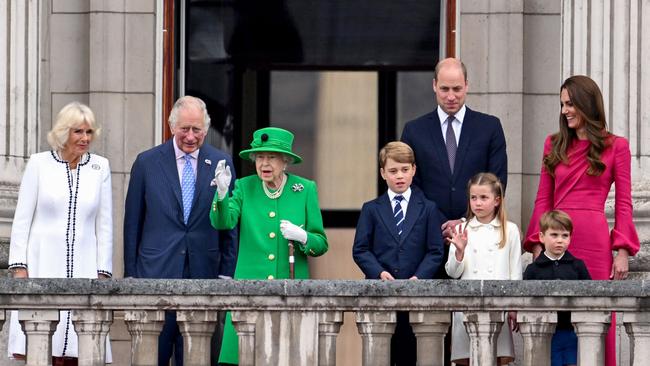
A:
(286, 322)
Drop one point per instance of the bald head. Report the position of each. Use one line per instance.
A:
(450, 62)
(450, 85)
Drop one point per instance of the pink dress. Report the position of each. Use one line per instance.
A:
(583, 196)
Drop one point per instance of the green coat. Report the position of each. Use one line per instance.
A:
(263, 251)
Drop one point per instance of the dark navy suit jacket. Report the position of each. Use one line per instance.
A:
(377, 246)
(482, 148)
(157, 243)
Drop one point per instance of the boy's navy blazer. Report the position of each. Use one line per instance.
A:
(482, 148)
(417, 252)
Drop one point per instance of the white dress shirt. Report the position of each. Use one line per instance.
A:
(404, 203)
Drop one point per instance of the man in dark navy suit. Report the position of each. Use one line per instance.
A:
(448, 158)
(167, 231)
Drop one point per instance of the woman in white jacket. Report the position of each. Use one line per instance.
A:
(63, 225)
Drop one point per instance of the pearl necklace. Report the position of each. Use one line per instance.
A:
(276, 194)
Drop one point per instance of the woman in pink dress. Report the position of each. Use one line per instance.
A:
(580, 163)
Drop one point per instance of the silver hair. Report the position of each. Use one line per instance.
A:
(287, 159)
(189, 101)
(72, 115)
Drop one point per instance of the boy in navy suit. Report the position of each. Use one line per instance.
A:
(398, 237)
(556, 263)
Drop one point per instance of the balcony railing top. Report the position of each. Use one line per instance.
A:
(346, 295)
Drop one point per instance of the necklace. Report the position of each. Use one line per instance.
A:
(278, 193)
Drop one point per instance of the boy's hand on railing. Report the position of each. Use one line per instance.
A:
(386, 276)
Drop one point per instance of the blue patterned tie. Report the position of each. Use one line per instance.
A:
(398, 214)
(450, 138)
(187, 187)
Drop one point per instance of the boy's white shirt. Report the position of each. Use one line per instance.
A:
(483, 259)
(404, 202)
(550, 256)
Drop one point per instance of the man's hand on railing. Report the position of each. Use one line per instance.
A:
(386, 276)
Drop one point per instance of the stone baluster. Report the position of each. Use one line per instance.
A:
(329, 325)
(144, 327)
(245, 323)
(376, 329)
(637, 326)
(38, 325)
(430, 328)
(92, 327)
(537, 328)
(197, 327)
(483, 328)
(2, 318)
(591, 328)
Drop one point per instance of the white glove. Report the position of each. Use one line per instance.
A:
(293, 232)
(222, 178)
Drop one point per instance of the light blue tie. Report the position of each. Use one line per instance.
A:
(187, 187)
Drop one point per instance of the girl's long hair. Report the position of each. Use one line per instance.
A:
(491, 180)
(588, 103)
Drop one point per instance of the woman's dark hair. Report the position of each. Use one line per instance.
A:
(588, 103)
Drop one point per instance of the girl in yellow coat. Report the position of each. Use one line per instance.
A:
(272, 208)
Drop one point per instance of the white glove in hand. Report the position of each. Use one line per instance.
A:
(222, 178)
(293, 232)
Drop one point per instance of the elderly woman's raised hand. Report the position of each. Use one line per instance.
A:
(293, 232)
(222, 178)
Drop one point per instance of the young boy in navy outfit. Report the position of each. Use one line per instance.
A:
(556, 263)
(398, 237)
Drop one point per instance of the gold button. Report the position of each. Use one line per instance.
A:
(270, 277)
(271, 214)
(271, 257)
(271, 235)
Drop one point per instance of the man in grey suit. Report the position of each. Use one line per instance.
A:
(167, 231)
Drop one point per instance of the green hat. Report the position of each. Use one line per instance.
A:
(271, 139)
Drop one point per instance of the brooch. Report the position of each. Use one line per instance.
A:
(208, 161)
(95, 166)
(298, 187)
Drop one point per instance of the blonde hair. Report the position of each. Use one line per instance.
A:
(491, 180)
(398, 151)
(73, 115)
(557, 220)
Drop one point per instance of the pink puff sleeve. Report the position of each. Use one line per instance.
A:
(623, 235)
(543, 202)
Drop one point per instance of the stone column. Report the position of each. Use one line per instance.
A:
(329, 325)
(144, 327)
(92, 327)
(245, 323)
(39, 325)
(591, 328)
(197, 327)
(20, 57)
(537, 329)
(483, 328)
(637, 326)
(430, 328)
(376, 328)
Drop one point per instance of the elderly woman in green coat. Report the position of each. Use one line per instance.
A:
(273, 208)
